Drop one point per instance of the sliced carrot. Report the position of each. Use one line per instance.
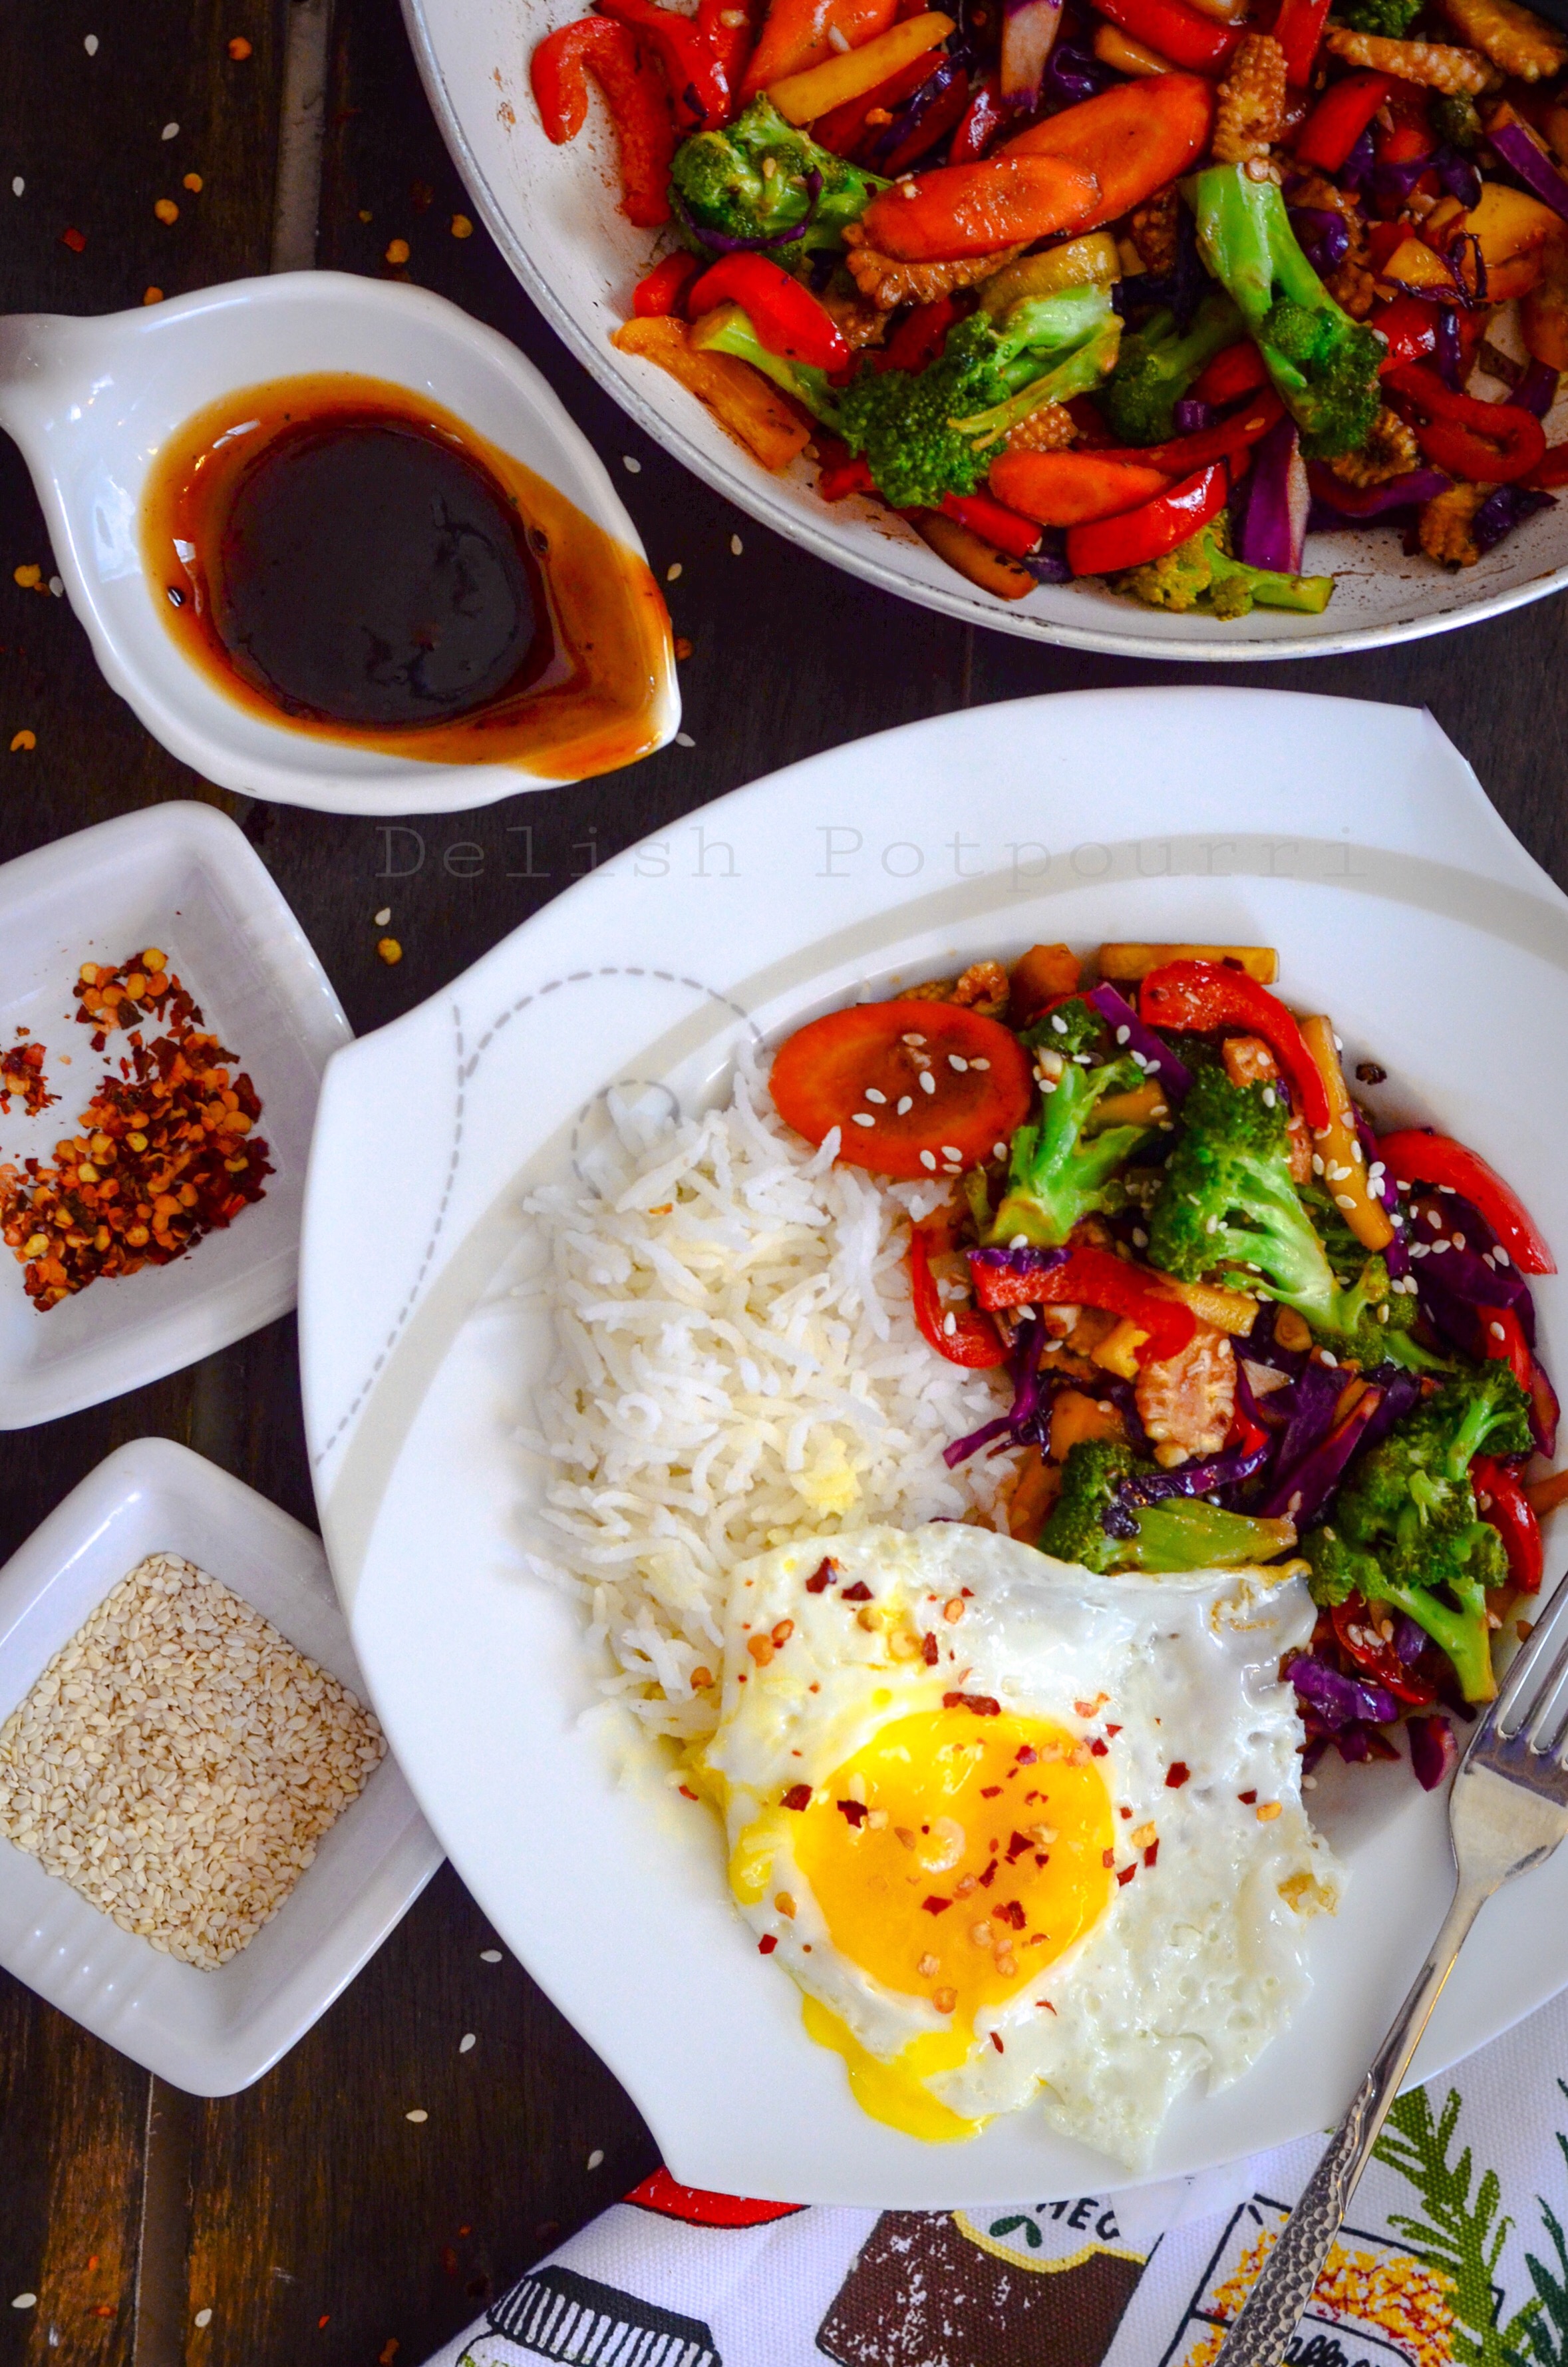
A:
(867, 1062)
(978, 563)
(962, 209)
(1132, 138)
(799, 33)
(1069, 488)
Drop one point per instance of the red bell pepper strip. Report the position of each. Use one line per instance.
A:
(1552, 469)
(1488, 442)
(1413, 1156)
(1410, 324)
(842, 127)
(1091, 1277)
(690, 54)
(1298, 29)
(1361, 1645)
(840, 479)
(980, 126)
(1228, 441)
(972, 1339)
(1500, 1499)
(1202, 995)
(785, 314)
(1018, 537)
(1338, 120)
(930, 119)
(1178, 33)
(659, 292)
(920, 336)
(1104, 545)
(635, 94)
(1240, 369)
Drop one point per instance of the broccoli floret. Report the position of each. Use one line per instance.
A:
(1058, 1172)
(1229, 1199)
(1158, 362)
(932, 432)
(1406, 1529)
(1179, 1532)
(1324, 364)
(717, 182)
(1201, 573)
(1390, 19)
(1455, 119)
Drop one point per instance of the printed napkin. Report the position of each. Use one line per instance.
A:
(1455, 2256)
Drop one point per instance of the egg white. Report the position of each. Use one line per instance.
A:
(1197, 1959)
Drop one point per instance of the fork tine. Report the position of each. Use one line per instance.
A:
(1541, 1709)
(1525, 1664)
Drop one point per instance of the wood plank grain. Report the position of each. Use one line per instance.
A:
(71, 2123)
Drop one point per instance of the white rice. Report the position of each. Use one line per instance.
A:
(737, 1367)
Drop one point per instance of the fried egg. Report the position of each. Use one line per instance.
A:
(1017, 1831)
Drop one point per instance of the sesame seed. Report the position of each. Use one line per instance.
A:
(927, 1082)
(956, 1060)
(418, 2114)
(467, 2043)
(1439, 1249)
(838, 38)
(873, 1095)
(1343, 1200)
(17, 185)
(684, 739)
(862, 1117)
(203, 2318)
(170, 132)
(949, 1152)
(1019, 1242)
(24, 2301)
(1123, 1034)
(490, 1956)
(999, 1150)
(979, 1064)
(1317, 1162)
(90, 45)
(906, 1103)
(1270, 1098)
(632, 467)
(673, 572)
(911, 1039)
(1326, 1356)
(1501, 1254)
(928, 1160)
(1140, 1239)
(736, 546)
(1420, 1249)
(1058, 1022)
(1496, 1331)
(950, 1324)
(383, 917)
(1457, 1240)
(596, 2157)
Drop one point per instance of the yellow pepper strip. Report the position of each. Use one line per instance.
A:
(1339, 1147)
(745, 405)
(1117, 1353)
(1227, 1311)
(802, 98)
(1120, 962)
(1128, 57)
(1143, 1106)
(1081, 262)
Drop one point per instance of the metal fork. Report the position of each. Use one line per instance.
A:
(1507, 1811)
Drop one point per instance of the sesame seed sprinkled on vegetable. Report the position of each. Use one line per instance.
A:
(928, 1158)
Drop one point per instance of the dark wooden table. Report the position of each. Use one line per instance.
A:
(309, 2217)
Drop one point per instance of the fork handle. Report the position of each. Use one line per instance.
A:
(1277, 2301)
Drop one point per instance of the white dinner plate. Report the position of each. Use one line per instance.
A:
(1354, 838)
(553, 213)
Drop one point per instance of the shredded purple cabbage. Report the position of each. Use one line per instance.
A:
(910, 113)
(1049, 564)
(1323, 235)
(1433, 1749)
(1458, 175)
(1182, 289)
(1504, 510)
(720, 242)
(1073, 74)
(1359, 164)
(1263, 1349)
(1523, 153)
(1372, 502)
(1537, 390)
(1448, 354)
(1226, 1470)
(1340, 1700)
(1191, 416)
(1311, 1457)
(1002, 1260)
(1135, 1037)
(1409, 1638)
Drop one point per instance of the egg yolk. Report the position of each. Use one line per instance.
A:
(956, 1856)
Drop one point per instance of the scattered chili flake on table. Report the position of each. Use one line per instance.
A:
(167, 211)
(239, 47)
(22, 1077)
(167, 1155)
(21, 741)
(75, 239)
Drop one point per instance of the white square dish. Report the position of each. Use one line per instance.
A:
(180, 876)
(209, 2032)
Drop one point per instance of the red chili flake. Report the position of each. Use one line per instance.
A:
(825, 1574)
(1112, 1729)
(990, 1791)
(797, 1796)
(166, 1152)
(389, 2352)
(1098, 1748)
(448, 2257)
(687, 1793)
(1107, 1857)
(935, 1905)
(766, 1946)
(1041, 1857)
(981, 1704)
(1175, 1774)
(75, 239)
(991, 1873)
(1027, 1755)
(1018, 1846)
(1125, 1877)
(1047, 2005)
(324, 2320)
(855, 1810)
(1247, 1799)
(21, 1075)
(1010, 1911)
(103, 2309)
(927, 1651)
(997, 2042)
(858, 1592)
(1151, 1855)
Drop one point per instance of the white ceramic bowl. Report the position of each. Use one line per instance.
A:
(553, 213)
(91, 401)
(209, 2032)
(183, 877)
(1353, 837)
